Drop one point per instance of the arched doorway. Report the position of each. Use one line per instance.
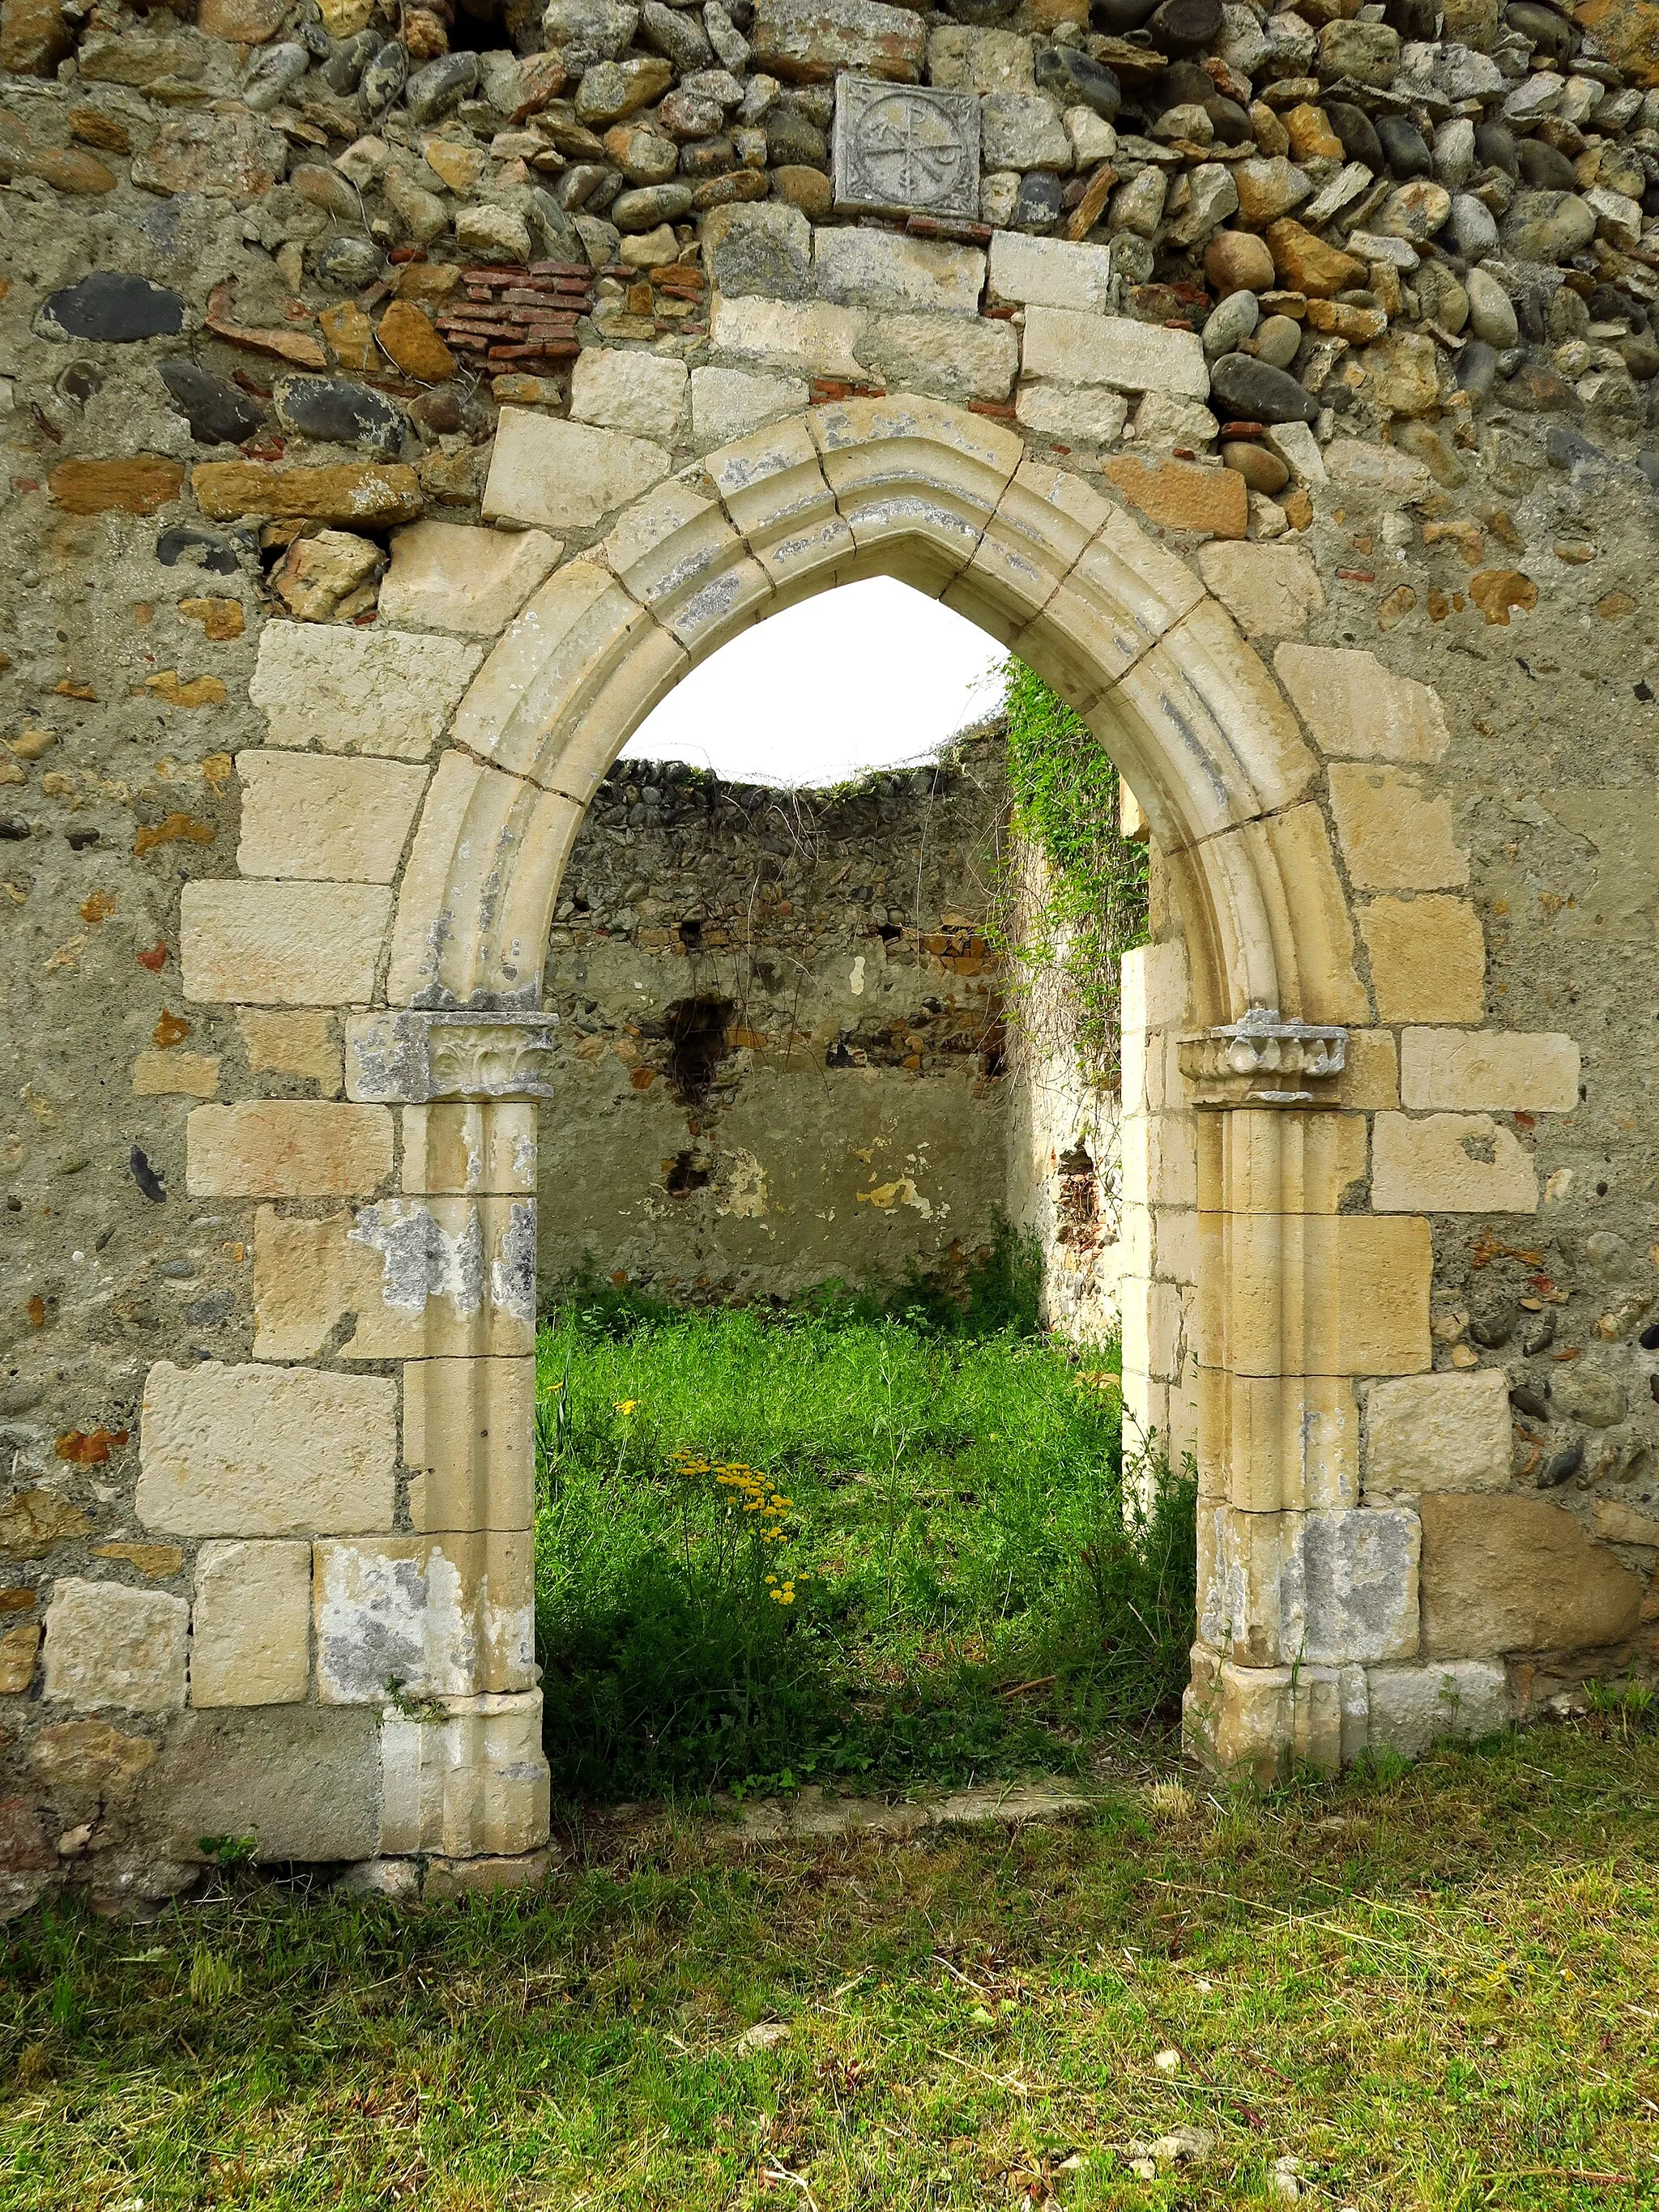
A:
(1258, 1293)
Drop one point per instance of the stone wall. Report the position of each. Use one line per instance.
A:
(780, 1046)
(387, 430)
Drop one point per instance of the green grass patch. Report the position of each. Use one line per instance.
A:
(1435, 1990)
(840, 1544)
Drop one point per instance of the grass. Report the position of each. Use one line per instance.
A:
(840, 1544)
(1437, 1989)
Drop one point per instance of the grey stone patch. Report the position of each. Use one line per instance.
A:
(111, 305)
(420, 1260)
(513, 1271)
(764, 248)
(1348, 1587)
(303, 1781)
(412, 1059)
(905, 149)
(813, 1814)
(1409, 1707)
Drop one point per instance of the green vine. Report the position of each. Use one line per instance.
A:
(1072, 895)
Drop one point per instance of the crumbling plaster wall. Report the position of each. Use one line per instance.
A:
(780, 1041)
(1442, 551)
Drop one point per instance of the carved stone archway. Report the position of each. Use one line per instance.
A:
(1253, 1059)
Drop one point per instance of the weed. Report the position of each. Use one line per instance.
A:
(833, 1543)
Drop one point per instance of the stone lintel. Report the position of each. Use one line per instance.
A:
(412, 1057)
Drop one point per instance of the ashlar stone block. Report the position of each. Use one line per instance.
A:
(641, 393)
(282, 944)
(1068, 347)
(471, 1149)
(1048, 272)
(288, 1148)
(449, 1615)
(1358, 708)
(378, 690)
(109, 1646)
(1449, 1163)
(470, 1780)
(304, 1044)
(468, 1425)
(452, 576)
(727, 404)
(1410, 1707)
(1448, 1432)
(887, 270)
(316, 818)
(565, 476)
(250, 1630)
(1269, 590)
(1428, 959)
(266, 1451)
(1504, 1574)
(1395, 836)
(1493, 1071)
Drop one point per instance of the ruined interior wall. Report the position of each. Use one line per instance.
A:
(780, 1043)
(1440, 538)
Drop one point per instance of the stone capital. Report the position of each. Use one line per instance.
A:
(1261, 1060)
(411, 1058)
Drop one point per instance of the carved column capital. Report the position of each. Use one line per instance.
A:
(1261, 1060)
(411, 1058)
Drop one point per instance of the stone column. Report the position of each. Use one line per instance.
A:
(463, 1771)
(1298, 1587)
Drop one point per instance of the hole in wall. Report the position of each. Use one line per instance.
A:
(696, 1032)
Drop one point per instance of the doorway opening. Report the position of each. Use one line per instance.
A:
(830, 1436)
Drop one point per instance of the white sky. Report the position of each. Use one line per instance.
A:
(870, 676)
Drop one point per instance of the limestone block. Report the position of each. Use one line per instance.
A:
(675, 552)
(1209, 698)
(288, 1148)
(728, 402)
(266, 1451)
(265, 944)
(809, 338)
(1371, 1078)
(1410, 1707)
(582, 655)
(1123, 593)
(450, 1616)
(249, 1641)
(1252, 1720)
(449, 575)
(18, 1650)
(1156, 985)
(1428, 959)
(1447, 1431)
(469, 1149)
(951, 356)
(107, 1646)
(470, 1780)
(324, 819)
(1022, 130)
(1266, 1161)
(468, 1425)
(424, 1277)
(773, 486)
(1349, 1586)
(1359, 709)
(1269, 590)
(1075, 415)
(1160, 1160)
(564, 475)
(1449, 1163)
(810, 40)
(887, 270)
(1501, 1071)
(478, 890)
(1279, 1443)
(764, 246)
(1315, 1294)
(1518, 1574)
(305, 1784)
(1073, 348)
(1394, 837)
(1617, 1523)
(359, 690)
(306, 1044)
(1045, 520)
(1047, 272)
(175, 1075)
(917, 481)
(642, 393)
(964, 59)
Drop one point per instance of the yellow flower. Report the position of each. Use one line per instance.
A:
(624, 1406)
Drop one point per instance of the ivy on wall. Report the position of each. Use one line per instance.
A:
(1071, 890)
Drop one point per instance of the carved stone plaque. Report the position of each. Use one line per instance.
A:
(906, 149)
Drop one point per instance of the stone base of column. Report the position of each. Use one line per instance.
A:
(1262, 1721)
(467, 1781)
